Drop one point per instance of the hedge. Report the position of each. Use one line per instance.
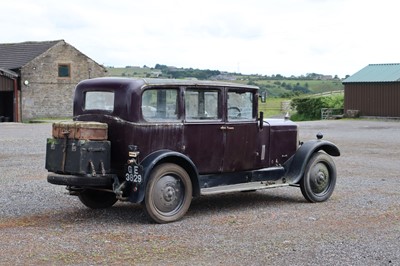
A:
(309, 108)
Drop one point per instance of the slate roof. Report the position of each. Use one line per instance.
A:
(376, 73)
(15, 55)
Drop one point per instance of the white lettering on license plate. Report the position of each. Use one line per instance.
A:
(133, 174)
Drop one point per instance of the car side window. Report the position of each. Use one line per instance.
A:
(240, 106)
(160, 105)
(202, 104)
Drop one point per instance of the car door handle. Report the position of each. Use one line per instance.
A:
(227, 128)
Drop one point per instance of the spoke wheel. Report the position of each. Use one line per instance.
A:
(96, 199)
(319, 178)
(168, 193)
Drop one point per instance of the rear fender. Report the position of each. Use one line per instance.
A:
(164, 156)
(296, 165)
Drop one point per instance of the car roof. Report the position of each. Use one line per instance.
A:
(148, 82)
(193, 82)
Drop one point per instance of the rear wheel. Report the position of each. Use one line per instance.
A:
(96, 199)
(168, 193)
(319, 178)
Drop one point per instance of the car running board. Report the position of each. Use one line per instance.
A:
(240, 187)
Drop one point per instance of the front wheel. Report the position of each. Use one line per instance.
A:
(96, 199)
(168, 193)
(319, 178)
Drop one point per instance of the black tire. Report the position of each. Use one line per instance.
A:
(168, 193)
(96, 199)
(319, 178)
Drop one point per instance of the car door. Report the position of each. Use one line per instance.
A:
(203, 137)
(241, 130)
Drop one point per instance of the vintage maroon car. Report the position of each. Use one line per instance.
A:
(162, 142)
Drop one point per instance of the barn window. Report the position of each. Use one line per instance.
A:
(64, 70)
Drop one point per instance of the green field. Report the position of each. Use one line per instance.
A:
(135, 72)
(289, 87)
(272, 108)
(273, 86)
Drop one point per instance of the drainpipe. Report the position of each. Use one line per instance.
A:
(16, 108)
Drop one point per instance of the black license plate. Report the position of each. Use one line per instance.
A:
(134, 173)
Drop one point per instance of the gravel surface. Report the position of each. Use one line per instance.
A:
(359, 225)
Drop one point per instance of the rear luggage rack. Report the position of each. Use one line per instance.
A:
(81, 181)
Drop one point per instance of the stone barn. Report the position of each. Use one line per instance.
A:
(373, 91)
(37, 79)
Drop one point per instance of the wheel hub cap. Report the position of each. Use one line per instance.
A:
(320, 178)
(168, 194)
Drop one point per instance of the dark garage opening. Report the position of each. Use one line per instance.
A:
(6, 106)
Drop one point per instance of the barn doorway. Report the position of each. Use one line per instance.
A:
(8, 96)
(6, 106)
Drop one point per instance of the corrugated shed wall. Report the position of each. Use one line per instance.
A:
(6, 84)
(373, 99)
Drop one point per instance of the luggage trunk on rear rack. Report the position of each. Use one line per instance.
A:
(79, 148)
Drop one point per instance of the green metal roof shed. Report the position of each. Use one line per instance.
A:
(376, 73)
(374, 91)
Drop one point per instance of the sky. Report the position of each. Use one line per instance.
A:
(266, 37)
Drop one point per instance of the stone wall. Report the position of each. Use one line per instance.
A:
(47, 95)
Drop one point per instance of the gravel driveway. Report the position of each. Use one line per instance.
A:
(359, 225)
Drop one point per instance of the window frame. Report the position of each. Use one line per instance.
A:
(99, 109)
(156, 118)
(68, 66)
(219, 113)
(252, 109)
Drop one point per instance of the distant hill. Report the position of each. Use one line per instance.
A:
(132, 71)
(275, 85)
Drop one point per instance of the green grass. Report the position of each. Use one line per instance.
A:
(272, 107)
(276, 88)
(47, 120)
(137, 72)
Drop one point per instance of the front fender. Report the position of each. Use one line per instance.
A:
(163, 156)
(296, 164)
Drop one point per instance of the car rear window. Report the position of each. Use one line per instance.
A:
(99, 100)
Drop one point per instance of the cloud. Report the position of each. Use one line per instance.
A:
(256, 36)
